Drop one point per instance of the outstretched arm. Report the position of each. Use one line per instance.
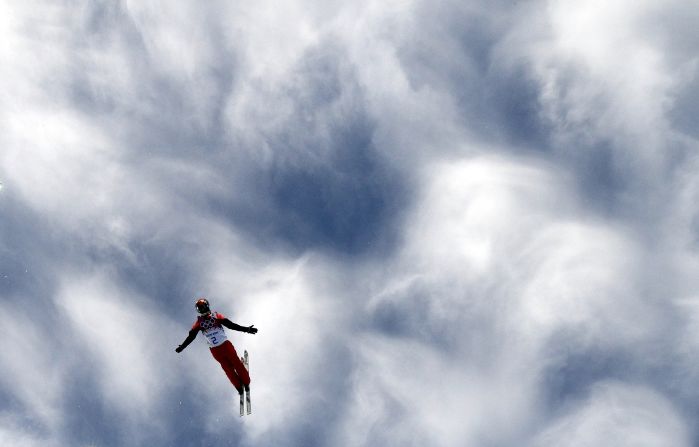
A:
(236, 327)
(190, 338)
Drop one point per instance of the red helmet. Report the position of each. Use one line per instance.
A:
(202, 306)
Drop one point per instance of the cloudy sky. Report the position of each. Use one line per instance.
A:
(455, 223)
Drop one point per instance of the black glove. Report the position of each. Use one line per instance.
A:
(179, 349)
(252, 329)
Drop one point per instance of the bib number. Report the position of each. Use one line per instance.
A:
(215, 336)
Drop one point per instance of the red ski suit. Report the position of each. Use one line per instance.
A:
(223, 351)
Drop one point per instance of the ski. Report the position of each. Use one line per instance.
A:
(247, 400)
(247, 391)
(245, 395)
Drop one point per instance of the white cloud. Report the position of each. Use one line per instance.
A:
(601, 77)
(498, 252)
(621, 415)
(283, 299)
(32, 370)
(472, 210)
(406, 393)
(124, 337)
(12, 433)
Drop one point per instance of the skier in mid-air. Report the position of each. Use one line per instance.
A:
(211, 325)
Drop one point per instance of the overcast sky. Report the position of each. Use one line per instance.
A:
(455, 223)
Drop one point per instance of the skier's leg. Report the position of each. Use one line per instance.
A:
(221, 355)
(237, 365)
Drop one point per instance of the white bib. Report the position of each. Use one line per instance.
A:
(215, 336)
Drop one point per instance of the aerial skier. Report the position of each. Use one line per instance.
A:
(211, 325)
